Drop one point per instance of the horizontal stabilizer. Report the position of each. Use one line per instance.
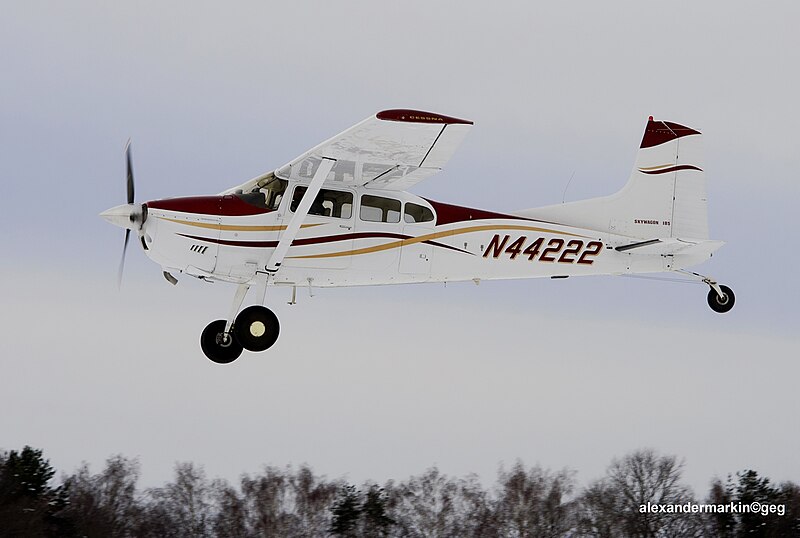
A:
(691, 248)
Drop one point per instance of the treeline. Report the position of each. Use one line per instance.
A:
(287, 502)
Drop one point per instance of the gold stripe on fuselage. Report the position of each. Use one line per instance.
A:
(236, 227)
(430, 237)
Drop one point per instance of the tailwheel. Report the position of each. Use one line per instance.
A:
(256, 328)
(721, 303)
(219, 347)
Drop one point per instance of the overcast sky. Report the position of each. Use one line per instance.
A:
(380, 383)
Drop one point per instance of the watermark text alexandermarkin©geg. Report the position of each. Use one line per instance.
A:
(754, 507)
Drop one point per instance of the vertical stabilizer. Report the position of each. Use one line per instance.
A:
(665, 195)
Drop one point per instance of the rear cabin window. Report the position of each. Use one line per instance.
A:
(417, 213)
(379, 209)
(328, 203)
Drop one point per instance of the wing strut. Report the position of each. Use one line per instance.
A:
(290, 233)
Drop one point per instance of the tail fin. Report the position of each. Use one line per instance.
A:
(664, 197)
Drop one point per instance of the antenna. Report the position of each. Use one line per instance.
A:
(564, 196)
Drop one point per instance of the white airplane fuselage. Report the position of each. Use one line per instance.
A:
(228, 239)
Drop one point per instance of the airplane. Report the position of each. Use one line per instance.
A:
(340, 214)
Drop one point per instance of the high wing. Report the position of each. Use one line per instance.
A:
(394, 150)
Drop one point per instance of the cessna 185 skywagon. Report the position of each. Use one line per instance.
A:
(340, 215)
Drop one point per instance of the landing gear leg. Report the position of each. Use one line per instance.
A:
(238, 299)
(257, 327)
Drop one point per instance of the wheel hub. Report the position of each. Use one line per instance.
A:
(257, 329)
(224, 340)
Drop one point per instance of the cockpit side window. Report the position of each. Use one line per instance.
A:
(255, 198)
(328, 203)
(417, 213)
(266, 196)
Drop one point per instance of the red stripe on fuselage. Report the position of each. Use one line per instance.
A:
(448, 214)
(223, 206)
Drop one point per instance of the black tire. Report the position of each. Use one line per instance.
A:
(257, 328)
(721, 304)
(219, 351)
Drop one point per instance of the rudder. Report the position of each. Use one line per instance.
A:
(667, 184)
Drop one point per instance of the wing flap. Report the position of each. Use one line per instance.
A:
(401, 178)
(449, 139)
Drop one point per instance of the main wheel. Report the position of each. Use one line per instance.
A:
(218, 346)
(256, 328)
(721, 304)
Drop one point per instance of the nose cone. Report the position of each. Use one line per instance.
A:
(128, 216)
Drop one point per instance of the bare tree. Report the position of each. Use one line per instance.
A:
(105, 504)
(313, 497)
(431, 505)
(598, 511)
(533, 503)
(477, 509)
(612, 506)
(182, 508)
(230, 519)
(266, 500)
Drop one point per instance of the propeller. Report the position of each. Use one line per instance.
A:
(130, 171)
(130, 216)
(131, 191)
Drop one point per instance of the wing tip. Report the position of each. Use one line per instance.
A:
(418, 116)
